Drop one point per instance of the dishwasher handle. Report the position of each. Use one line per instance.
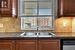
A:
(69, 42)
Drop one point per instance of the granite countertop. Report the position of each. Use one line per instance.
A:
(15, 35)
(10, 34)
(43, 38)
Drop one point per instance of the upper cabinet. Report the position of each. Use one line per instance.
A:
(66, 7)
(8, 8)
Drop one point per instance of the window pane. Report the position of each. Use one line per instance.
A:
(30, 0)
(45, 23)
(29, 23)
(30, 11)
(45, 11)
(45, 5)
(30, 4)
(44, 0)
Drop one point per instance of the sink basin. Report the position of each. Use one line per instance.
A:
(28, 34)
(37, 34)
(45, 34)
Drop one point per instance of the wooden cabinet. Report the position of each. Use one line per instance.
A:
(49, 45)
(8, 8)
(7, 45)
(66, 7)
(38, 45)
(26, 45)
(30, 44)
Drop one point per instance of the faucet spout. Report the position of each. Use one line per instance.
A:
(22, 34)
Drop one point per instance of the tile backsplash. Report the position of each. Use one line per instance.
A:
(65, 26)
(9, 24)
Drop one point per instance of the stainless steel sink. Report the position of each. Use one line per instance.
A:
(46, 34)
(28, 34)
(37, 34)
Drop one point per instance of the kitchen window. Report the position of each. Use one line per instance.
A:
(41, 10)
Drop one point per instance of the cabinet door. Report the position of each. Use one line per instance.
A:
(8, 8)
(25, 45)
(49, 45)
(66, 7)
(7, 45)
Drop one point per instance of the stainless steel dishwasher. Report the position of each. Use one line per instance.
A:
(68, 44)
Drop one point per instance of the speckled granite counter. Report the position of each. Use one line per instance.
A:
(15, 36)
(25, 38)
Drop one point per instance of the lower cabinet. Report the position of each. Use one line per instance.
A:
(7, 45)
(49, 45)
(26, 45)
(38, 45)
(30, 44)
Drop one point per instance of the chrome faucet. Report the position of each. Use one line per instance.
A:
(22, 34)
(52, 33)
